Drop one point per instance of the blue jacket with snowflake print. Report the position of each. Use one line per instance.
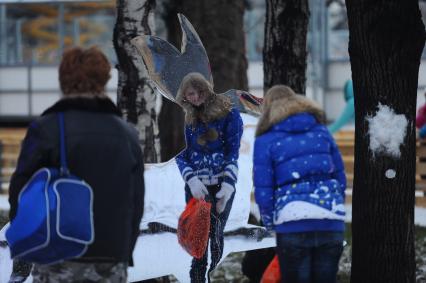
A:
(212, 159)
(299, 177)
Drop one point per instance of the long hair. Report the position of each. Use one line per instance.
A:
(281, 102)
(84, 71)
(216, 106)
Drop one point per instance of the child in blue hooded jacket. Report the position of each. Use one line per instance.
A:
(213, 130)
(300, 186)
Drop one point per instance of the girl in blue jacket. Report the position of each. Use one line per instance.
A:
(300, 186)
(213, 130)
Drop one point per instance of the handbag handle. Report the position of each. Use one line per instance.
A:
(63, 154)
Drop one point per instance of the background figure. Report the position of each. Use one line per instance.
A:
(300, 186)
(421, 126)
(103, 150)
(348, 113)
(422, 132)
(208, 165)
(421, 116)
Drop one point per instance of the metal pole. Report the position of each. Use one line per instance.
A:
(324, 50)
(61, 29)
(76, 31)
(3, 34)
(325, 46)
(30, 89)
(1, 167)
(18, 41)
(310, 56)
(314, 53)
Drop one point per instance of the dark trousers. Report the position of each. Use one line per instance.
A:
(217, 225)
(309, 257)
(20, 272)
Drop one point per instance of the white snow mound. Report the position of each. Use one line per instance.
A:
(387, 131)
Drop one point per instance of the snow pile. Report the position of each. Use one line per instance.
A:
(4, 203)
(390, 173)
(387, 131)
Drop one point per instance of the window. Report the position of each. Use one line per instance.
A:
(38, 33)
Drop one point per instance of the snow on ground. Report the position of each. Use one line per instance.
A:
(420, 216)
(4, 203)
(157, 255)
(162, 252)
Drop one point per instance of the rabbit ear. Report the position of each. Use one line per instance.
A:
(166, 65)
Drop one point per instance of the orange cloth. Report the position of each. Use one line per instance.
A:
(272, 273)
(194, 226)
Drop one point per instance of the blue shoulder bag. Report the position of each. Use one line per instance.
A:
(54, 219)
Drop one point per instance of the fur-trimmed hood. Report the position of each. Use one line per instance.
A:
(215, 107)
(100, 104)
(284, 107)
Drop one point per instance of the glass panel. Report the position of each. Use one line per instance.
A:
(254, 25)
(338, 32)
(422, 6)
(31, 34)
(3, 35)
(37, 33)
(89, 24)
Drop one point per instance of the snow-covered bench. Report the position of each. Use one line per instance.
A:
(159, 254)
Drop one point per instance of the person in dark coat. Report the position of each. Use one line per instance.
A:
(300, 184)
(421, 116)
(104, 151)
(213, 130)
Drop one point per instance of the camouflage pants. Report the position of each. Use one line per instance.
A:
(80, 272)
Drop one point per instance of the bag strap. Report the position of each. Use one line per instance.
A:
(63, 154)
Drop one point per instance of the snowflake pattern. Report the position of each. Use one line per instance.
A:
(216, 158)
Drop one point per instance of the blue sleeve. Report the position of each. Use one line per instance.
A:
(264, 181)
(339, 170)
(232, 138)
(422, 132)
(182, 159)
(347, 114)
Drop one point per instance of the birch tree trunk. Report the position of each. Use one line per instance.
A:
(284, 50)
(386, 39)
(135, 96)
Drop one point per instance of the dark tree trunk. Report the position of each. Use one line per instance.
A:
(220, 27)
(171, 124)
(171, 118)
(136, 97)
(385, 45)
(284, 50)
